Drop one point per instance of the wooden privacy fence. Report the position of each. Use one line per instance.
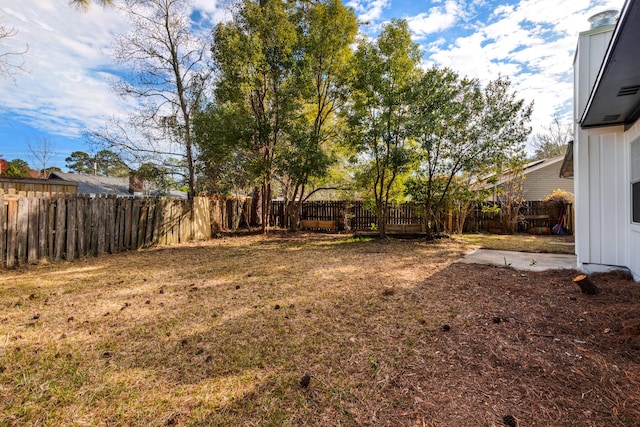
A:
(347, 215)
(356, 216)
(37, 226)
(532, 214)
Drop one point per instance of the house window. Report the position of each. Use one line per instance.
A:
(635, 181)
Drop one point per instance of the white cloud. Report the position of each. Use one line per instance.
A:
(437, 19)
(532, 43)
(61, 92)
(67, 89)
(368, 10)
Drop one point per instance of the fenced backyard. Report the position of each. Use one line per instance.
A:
(37, 226)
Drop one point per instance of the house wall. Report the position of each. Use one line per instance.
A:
(602, 197)
(542, 182)
(592, 46)
(604, 233)
(631, 136)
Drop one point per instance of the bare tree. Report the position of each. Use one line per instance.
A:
(42, 150)
(167, 77)
(10, 60)
(553, 140)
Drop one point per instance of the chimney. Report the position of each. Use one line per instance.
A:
(135, 183)
(602, 19)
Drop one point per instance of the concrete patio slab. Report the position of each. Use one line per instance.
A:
(521, 260)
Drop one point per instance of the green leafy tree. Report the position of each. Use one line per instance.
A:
(104, 163)
(155, 179)
(18, 168)
(255, 55)
(384, 72)
(326, 31)
(80, 162)
(109, 163)
(511, 191)
(464, 131)
(223, 133)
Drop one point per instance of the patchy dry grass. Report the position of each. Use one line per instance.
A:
(521, 242)
(220, 333)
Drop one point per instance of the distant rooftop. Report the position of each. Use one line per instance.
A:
(119, 186)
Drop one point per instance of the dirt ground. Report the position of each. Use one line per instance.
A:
(391, 333)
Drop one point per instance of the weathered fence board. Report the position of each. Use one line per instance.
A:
(60, 222)
(32, 237)
(12, 229)
(43, 216)
(71, 228)
(23, 229)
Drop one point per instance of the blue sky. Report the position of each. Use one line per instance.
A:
(64, 89)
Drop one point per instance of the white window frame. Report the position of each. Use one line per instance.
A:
(634, 151)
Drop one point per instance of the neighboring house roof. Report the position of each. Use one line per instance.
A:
(530, 168)
(93, 184)
(541, 179)
(615, 98)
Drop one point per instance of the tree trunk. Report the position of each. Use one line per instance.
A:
(256, 208)
(266, 200)
(382, 229)
(295, 208)
(586, 285)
